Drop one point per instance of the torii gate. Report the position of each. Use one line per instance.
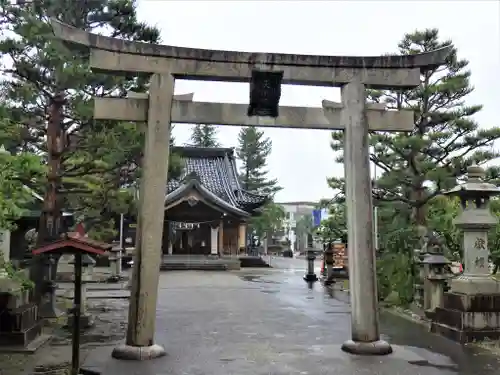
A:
(265, 71)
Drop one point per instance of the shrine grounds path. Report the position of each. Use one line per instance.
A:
(268, 322)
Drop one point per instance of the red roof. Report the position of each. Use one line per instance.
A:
(75, 242)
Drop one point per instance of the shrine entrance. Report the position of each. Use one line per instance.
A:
(265, 72)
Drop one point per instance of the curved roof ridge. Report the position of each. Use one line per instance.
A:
(230, 172)
(256, 194)
(195, 184)
(225, 181)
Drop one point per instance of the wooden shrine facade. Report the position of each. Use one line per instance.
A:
(206, 209)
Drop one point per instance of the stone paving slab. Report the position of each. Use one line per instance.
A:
(271, 323)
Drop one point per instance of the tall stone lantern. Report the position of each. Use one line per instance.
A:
(475, 221)
(471, 309)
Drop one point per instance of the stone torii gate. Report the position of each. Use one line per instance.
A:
(265, 72)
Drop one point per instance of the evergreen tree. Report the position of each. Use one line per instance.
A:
(100, 156)
(418, 166)
(204, 136)
(17, 173)
(253, 151)
(38, 70)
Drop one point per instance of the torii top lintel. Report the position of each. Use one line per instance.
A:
(326, 67)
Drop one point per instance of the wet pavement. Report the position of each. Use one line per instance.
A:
(269, 322)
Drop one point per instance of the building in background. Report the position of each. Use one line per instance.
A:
(298, 226)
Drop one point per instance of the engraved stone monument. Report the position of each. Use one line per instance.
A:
(471, 310)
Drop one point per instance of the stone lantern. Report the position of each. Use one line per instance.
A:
(328, 256)
(471, 309)
(310, 276)
(435, 263)
(475, 221)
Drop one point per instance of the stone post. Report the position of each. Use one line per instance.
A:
(328, 259)
(115, 264)
(142, 309)
(362, 275)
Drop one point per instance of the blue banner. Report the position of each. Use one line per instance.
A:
(316, 218)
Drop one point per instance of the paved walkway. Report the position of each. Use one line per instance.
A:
(269, 322)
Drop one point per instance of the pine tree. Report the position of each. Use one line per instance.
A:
(101, 156)
(253, 151)
(204, 136)
(445, 140)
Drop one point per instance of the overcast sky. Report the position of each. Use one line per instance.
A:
(301, 160)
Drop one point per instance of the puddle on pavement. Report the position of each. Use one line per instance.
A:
(257, 279)
(424, 363)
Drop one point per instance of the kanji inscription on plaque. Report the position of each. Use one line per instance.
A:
(476, 253)
(480, 262)
(480, 243)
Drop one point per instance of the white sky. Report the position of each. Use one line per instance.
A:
(302, 159)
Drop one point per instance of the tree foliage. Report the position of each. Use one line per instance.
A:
(270, 220)
(204, 136)
(334, 227)
(99, 157)
(18, 172)
(252, 151)
(445, 140)
(416, 168)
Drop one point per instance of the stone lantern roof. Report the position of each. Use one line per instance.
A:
(475, 185)
(474, 196)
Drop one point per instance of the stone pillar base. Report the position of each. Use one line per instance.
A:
(468, 318)
(138, 353)
(379, 347)
(310, 277)
(471, 285)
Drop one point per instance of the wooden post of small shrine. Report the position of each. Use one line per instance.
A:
(242, 237)
(221, 238)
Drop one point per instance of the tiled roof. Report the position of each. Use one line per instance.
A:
(215, 169)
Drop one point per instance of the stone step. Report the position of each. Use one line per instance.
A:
(253, 262)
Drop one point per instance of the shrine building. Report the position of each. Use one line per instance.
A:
(206, 209)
